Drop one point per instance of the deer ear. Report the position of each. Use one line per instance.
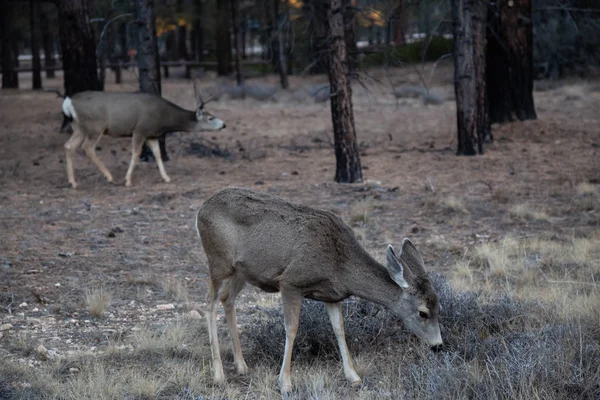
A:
(395, 268)
(411, 258)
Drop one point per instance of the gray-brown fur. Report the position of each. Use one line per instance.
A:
(303, 252)
(143, 116)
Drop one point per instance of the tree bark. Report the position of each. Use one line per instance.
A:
(237, 40)
(34, 7)
(350, 36)
(148, 62)
(348, 169)
(223, 39)
(399, 23)
(199, 31)
(316, 12)
(510, 61)
(279, 43)
(10, 78)
(48, 44)
(78, 47)
(469, 74)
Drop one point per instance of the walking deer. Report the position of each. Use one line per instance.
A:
(304, 252)
(143, 116)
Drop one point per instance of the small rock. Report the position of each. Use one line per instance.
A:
(194, 314)
(163, 307)
(42, 352)
(35, 310)
(73, 370)
(5, 327)
(57, 284)
(23, 304)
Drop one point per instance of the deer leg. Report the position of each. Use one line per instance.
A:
(89, 146)
(292, 301)
(228, 299)
(70, 147)
(337, 322)
(155, 147)
(137, 141)
(211, 319)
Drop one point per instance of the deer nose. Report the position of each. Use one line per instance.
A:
(224, 125)
(437, 348)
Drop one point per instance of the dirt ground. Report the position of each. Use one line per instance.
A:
(58, 245)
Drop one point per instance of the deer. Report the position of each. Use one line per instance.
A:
(143, 116)
(304, 252)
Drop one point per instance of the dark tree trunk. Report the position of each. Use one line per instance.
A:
(243, 25)
(48, 43)
(316, 11)
(469, 77)
(199, 32)
(279, 44)
(350, 37)
(182, 52)
(399, 24)
(78, 47)
(348, 169)
(237, 40)
(148, 62)
(35, 44)
(484, 132)
(510, 61)
(10, 79)
(223, 39)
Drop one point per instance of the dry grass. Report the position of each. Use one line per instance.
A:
(453, 205)
(527, 212)
(587, 189)
(97, 301)
(360, 211)
(176, 290)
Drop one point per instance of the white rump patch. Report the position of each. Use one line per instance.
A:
(69, 109)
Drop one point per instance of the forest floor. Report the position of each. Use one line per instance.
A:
(102, 287)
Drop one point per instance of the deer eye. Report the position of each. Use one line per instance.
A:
(423, 314)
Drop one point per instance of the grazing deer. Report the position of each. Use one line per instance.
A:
(143, 116)
(304, 252)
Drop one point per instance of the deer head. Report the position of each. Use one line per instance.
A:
(418, 307)
(205, 120)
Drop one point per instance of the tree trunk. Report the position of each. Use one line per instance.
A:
(199, 32)
(78, 47)
(348, 169)
(237, 40)
(223, 39)
(316, 11)
(350, 37)
(48, 44)
(279, 43)
(484, 132)
(10, 79)
(469, 74)
(510, 61)
(148, 62)
(399, 23)
(36, 64)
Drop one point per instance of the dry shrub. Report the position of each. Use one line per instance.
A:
(97, 301)
(360, 210)
(453, 205)
(176, 290)
(527, 212)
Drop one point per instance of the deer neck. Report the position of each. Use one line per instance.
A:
(369, 280)
(180, 120)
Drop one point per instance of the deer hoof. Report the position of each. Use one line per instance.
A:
(128, 183)
(242, 368)
(109, 179)
(73, 185)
